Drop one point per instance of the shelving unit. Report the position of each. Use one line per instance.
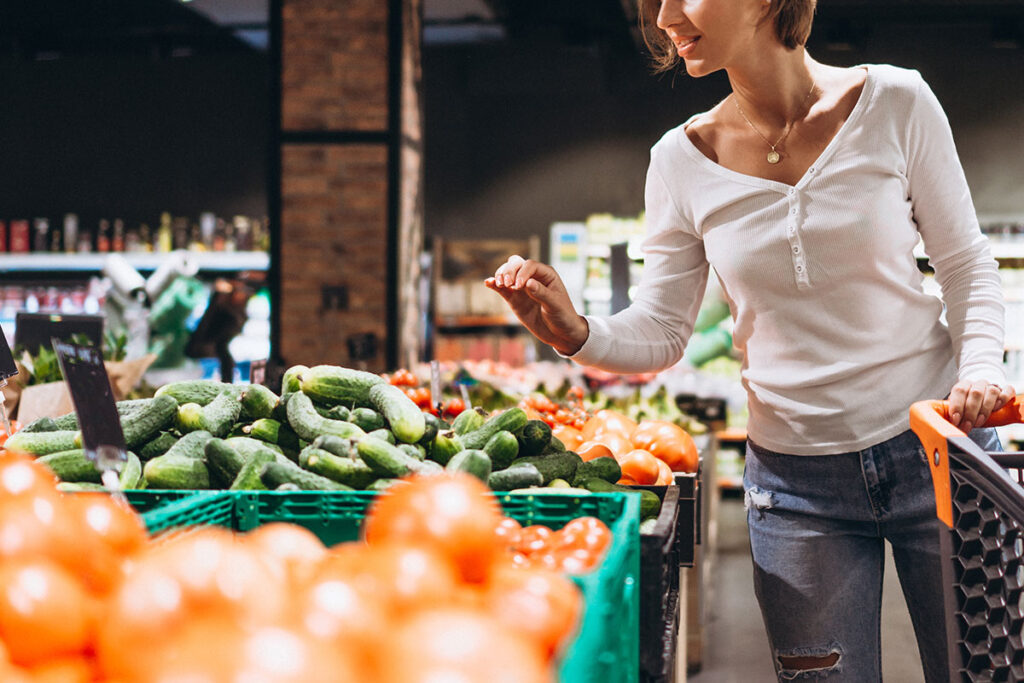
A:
(17, 265)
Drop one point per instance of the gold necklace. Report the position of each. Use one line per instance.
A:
(773, 156)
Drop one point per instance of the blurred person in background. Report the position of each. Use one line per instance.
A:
(807, 189)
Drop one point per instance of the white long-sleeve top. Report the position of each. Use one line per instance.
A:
(837, 336)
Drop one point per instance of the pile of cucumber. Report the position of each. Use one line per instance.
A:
(333, 428)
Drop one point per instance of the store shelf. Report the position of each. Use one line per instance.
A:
(219, 261)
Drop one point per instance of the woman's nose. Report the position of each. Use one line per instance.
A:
(669, 14)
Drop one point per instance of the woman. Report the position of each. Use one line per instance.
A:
(807, 189)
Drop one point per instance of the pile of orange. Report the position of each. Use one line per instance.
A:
(648, 452)
(441, 588)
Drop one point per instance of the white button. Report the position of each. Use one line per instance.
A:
(792, 230)
(799, 269)
(792, 190)
(793, 211)
(796, 249)
(811, 170)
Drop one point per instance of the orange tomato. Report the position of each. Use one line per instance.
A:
(570, 436)
(617, 442)
(538, 602)
(665, 476)
(406, 578)
(534, 538)
(626, 481)
(21, 477)
(607, 421)
(64, 670)
(110, 532)
(585, 533)
(45, 611)
(292, 549)
(15, 426)
(454, 513)
(589, 450)
(668, 441)
(640, 465)
(509, 531)
(459, 644)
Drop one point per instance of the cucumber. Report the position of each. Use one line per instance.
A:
(427, 468)
(220, 414)
(273, 432)
(189, 418)
(192, 445)
(511, 420)
(366, 419)
(158, 446)
(71, 465)
(404, 417)
(648, 526)
(534, 438)
(336, 385)
(559, 484)
(555, 445)
(80, 487)
(446, 444)
(384, 434)
(201, 391)
(223, 462)
(281, 411)
(338, 412)
(384, 458)
(558, 491)
(650, 504)
(248, 478)
(433, 427)
(288, 486)
(554, 465)
(335, 445)
(468, 421)
(292, 379)
(274, 474)
(515, 477)
(348, 471)
(471, 461)
(503, 448)
(605, 467)
(42, 424)
(176, 472)
(130, 405)
(66, 422)
(131, 473)
(309, 424)
(42, 443)
(413, 450)
(144, 424)
(258, 402)
(384, 483)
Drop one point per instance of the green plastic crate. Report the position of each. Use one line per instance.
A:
(149, 500)
(606, 649)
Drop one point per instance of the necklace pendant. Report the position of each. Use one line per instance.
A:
(774, 157)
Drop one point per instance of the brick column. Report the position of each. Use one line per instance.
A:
(340, 181)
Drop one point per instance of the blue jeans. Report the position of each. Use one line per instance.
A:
(817, 530)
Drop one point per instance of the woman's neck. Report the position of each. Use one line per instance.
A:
(775, 90)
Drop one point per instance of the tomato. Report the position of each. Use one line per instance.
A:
(21, 477)
(342, 606)
(459, 644)
(589, 450)
(570, 436)
(665, 476)
(453, 407)
(534, 538)
(406, 578)
(45, 611)
(640, 465)
(586, 533)
(538, 602)
(454, 513)
(403, 378)
(294, 550)
(668, 441)
(617, 442)
(64, 670)
(607, 421)
(509, 531)
(15, 426)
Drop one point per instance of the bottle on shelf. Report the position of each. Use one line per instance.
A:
(207, 228)
(243, 233)
(56, 241)
(195, 240)
(103, 236)
(20, 239)
(219, 235)
(41, 235)
(164, 235)
(180, 231)
(3, 236)
(117, 241)
(70, 233)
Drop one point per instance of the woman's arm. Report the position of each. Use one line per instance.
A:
(964, 267)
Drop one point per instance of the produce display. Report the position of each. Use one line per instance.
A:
(336, 428)
(440, 587)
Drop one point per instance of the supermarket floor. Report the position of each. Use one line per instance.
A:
(736, 646)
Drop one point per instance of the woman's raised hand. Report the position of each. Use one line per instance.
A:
(538, 298)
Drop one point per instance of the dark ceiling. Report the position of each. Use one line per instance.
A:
(50, 29)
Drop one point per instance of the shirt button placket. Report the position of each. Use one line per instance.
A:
(792, 233)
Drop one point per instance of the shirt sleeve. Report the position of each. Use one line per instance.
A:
(956, 247)
(651, 334)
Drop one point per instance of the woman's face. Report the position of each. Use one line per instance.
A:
(712, 34)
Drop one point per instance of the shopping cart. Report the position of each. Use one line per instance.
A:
(980, 497)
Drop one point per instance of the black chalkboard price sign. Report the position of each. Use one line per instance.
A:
(89, 386)
(8, 368)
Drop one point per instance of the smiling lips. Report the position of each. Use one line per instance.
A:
(685, 45)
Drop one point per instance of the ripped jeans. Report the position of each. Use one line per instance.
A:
(817, 529)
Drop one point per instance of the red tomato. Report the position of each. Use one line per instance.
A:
(668, 441)
(45, 611)
(607, 421)
(534, 538)
(541, 603)
(455, 514)
(509, 531)
(294, 550)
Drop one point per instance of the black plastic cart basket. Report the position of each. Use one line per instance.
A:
(979, 496)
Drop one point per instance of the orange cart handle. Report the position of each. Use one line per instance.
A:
(930, 421)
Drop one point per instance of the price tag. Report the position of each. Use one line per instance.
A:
(258, 372)
(89, 386)
(435, 384)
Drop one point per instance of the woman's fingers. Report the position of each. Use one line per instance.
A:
(971, 403)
